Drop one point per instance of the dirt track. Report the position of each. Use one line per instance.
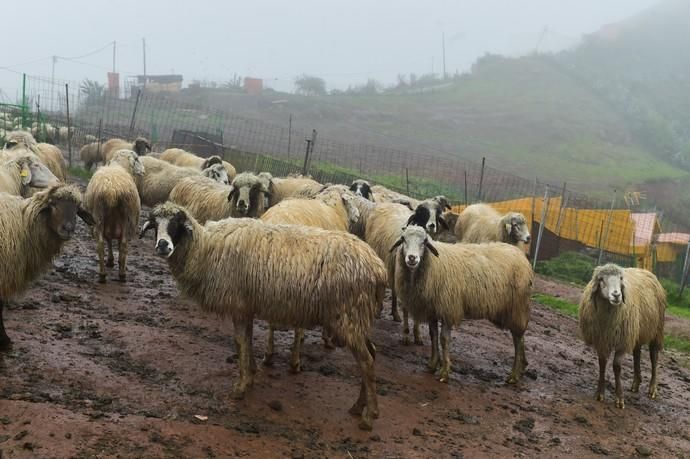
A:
(122, 370)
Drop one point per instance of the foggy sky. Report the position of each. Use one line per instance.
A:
(343, 41)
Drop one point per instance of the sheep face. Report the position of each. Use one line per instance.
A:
(352, 210)
(61, 209)
(413, 244)
(141, 146)
(362, 188)
(217, 173)
(172, 225)
(247, 193)
(210, 161)
(429, 216)
(128, 160)
(515, 228)
(608, 284)
(34, 173)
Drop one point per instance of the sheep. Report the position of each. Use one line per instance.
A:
(380, 226)
(34, 231)
(362, 188)
(159, 179)
(89, 138)
(64, 133)
(293, 275)
(90, 154)
(282, 188)
(482, 223)
(182, 158)
(247, 195)
(113, 200)
(140, 146)
(332, 209)
(17, 175)
(17, 142)
(204, 198)
(475, 281)
(622, 309)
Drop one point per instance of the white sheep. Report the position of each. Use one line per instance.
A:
(26, 170)
(482, 223)
(140, 146)
(621, 310)
(90, 154)
(204, 198)
(33, 233)
(183, 158)
(288, 187)
(293, 275)
(248, 195)
(333, 210)
(17, 142)
(452, 282)
(113, 200)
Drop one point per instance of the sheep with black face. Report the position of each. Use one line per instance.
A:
(248, 195)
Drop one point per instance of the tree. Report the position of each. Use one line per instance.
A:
(310, 85)
(93, 91)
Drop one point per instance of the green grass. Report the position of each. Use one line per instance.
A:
(677, 343)
(569, 266)
(80, 172)
(558, 304)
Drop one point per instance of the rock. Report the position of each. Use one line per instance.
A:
(275, 405)
(375, 438)
(643, 451)
(598, 449)
(416, 432)
(582, 420)
(21, 435)
(524, 425)
(5, 421)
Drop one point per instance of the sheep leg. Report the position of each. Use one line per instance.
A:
(637, 376)
(326, 336)
(519, 360)
(250, 338)
(654, 357)
(434, 361)
(394, 308)
(445, 345)
(295, 366)
(601, 388)
(100, 248)
(122, 250)
(367, 395)
(243, 343)
(5, 341)
(111, 258)
(268, 356)
(617, 357)
(406, 328)
(416, 333)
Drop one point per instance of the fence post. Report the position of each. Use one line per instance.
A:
(544, 211)
(481, 180)
(564, 201)
(605, 239)
(39, 130)
(534, 206)
(310, 149)
(407, 180)
(289, 135)
(686, 265)
(69, 133)
(465, 184)
(134, 115)
(24, 101)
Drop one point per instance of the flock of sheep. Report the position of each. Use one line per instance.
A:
(300, 254)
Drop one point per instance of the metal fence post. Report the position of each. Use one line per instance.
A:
(686, 265)
(69, 133)
(289, 135)
(481, 180)
(465, 185)
(407, 180)
(542, 223)
(134, 115)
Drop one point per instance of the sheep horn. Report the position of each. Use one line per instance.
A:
(150, 224)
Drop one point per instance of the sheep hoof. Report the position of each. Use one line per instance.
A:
(268, 360)
(238, 394)
(101, 278)
(444, 378)
(396, 317)
(635, 388)
(652, 393)
(512, 379)
(122, 278)
(599, 396)
(419, 341)
(356, 409)
(406, 341)
(620, 403)
(5, 343)
(432, 367)
(366, 424)
(295, 367)
(110, 263)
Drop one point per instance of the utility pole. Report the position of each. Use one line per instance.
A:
(114, 47)
(443, 47)
(143, 42)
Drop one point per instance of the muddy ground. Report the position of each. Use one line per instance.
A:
(121, 370)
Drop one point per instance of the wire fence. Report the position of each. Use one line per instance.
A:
(562, 219)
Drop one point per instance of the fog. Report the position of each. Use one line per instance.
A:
(344, 42)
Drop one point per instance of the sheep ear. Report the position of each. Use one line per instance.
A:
(138, 168)
(431, 248)
(265, 190)
(231, 192)
(396, 245)
(86, 216)
(623, 291)
(595, 288)
(371, 196)
(25, 174)
(442, 222)
(149, 225)
(404, 202)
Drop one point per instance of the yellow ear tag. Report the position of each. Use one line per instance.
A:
(24, 173)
